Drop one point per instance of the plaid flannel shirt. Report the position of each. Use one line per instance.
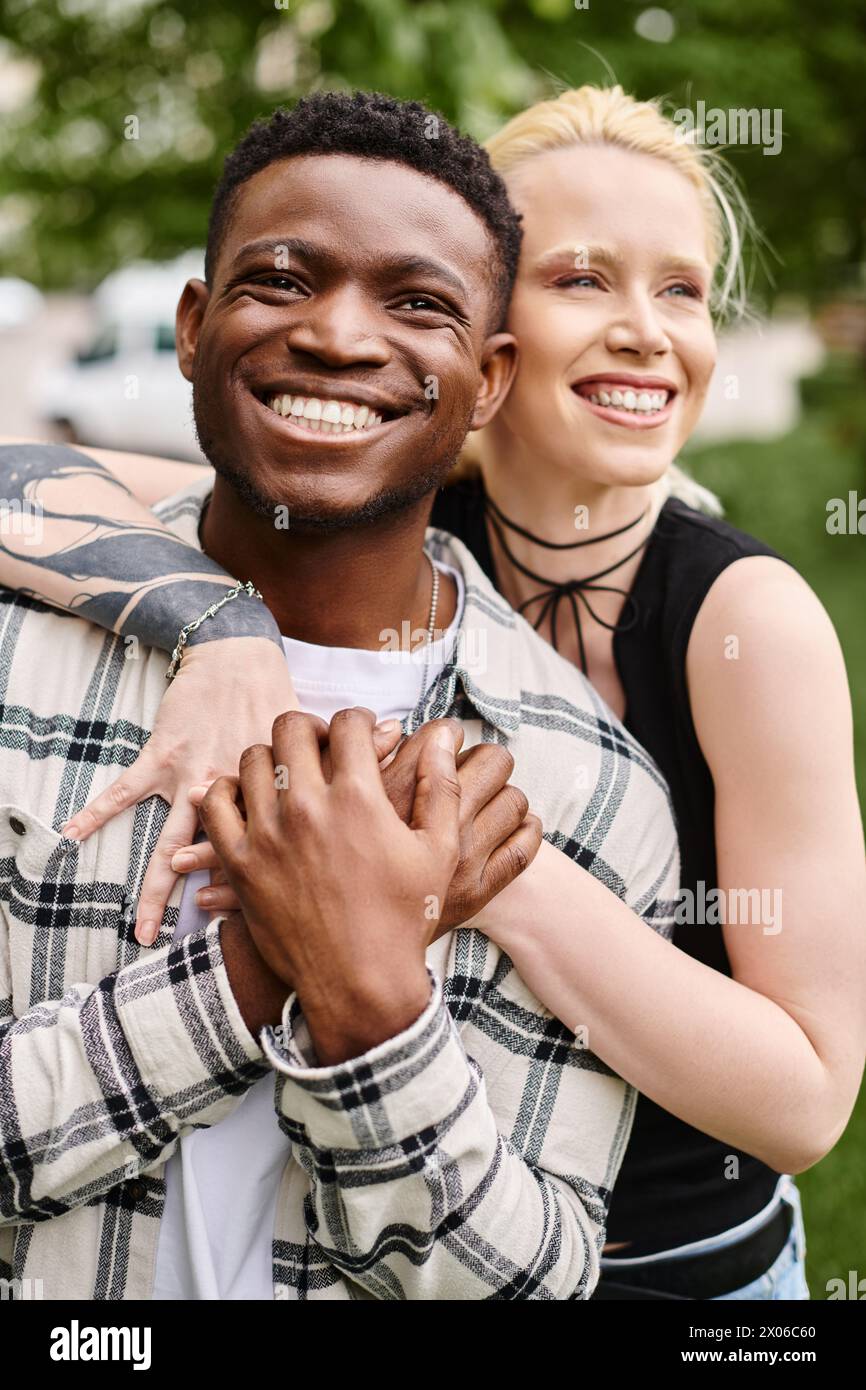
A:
(470, 1157)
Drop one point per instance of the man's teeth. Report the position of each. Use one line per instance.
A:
(642, 402)
(324, 415)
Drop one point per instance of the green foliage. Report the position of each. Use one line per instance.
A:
(86, 198)
(834, 1208)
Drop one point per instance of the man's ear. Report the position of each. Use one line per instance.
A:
(187, 324)
(498, 365)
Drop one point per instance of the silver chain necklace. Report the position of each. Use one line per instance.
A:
(431, 628)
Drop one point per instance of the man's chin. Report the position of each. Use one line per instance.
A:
(308, 511)
(327, 516)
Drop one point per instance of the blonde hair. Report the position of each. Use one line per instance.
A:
(607, 115)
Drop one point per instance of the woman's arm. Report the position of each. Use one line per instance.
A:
(771, 1060)
(73, 535)
(147, 476)
(77, 538)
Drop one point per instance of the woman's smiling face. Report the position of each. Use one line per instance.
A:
(611, 311)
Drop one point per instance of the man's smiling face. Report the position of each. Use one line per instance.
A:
(342, 282)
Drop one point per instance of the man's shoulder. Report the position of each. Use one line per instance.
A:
(24, 617)
(580, 752)
(601, 797)
(53, 663)
(182, 511)
(543, 690)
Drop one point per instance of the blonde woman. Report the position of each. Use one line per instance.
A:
(746, 1039)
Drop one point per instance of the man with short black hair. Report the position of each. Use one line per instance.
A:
(329, 1096)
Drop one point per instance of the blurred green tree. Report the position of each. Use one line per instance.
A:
(116, 113)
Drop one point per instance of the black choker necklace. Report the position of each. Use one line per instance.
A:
(571, 589)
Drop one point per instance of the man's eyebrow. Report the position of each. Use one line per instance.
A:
(424, 265)
(276, 248)
(394, 265)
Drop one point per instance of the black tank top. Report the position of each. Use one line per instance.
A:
(672, 1188)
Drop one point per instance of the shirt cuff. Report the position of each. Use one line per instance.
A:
(409, 1083)
(183, 1024)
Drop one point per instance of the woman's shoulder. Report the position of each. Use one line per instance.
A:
(740, 593)
(691, 557)
(690, 551)
(703, 540)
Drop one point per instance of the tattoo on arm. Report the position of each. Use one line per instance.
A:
(73, 536)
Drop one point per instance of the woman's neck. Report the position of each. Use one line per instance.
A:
(555, 505)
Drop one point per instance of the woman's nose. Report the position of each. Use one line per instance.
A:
(637, 327)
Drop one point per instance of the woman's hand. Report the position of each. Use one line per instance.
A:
(224, 698)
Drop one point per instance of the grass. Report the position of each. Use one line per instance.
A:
(779, 491)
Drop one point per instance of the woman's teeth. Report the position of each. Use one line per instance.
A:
(324, 415)
(642, 402)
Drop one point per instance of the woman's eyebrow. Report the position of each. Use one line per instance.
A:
(691, 263)
(578, 255)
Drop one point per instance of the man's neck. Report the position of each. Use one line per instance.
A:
(334, 589)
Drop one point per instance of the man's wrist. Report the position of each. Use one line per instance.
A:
(259, 994)
(352, 1020)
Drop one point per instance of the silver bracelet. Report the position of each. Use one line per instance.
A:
(183, 636)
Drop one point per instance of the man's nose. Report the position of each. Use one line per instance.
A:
(341, 329)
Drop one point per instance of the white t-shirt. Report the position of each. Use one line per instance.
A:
(222, 1181)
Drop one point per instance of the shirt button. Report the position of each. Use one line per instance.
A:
(136, 1190)
(18, 826)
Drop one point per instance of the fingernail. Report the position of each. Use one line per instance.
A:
(182, 860)
(387, 726)
(445, 739)
(197, 792)
(69, 831)
(147, 932)
(204, 897)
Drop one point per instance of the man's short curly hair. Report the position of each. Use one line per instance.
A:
(376, 126)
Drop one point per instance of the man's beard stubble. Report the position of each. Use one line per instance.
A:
(388, 502)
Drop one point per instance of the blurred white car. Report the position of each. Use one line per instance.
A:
(124, 389)
(19, 302)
